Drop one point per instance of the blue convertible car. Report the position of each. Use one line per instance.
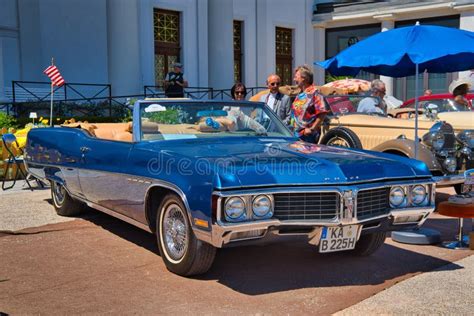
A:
(204, 174)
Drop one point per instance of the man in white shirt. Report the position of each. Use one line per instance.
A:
(375, 103)
(277, 101)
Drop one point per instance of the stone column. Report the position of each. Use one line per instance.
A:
(320, 52)
(221, 44)
(466, 23)
(123, 47)
(387, 24)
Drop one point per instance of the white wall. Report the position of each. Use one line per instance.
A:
(74, 32)
(124, 47)
(9, 51)
(288, 14)
(221, 44)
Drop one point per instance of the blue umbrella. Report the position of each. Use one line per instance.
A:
(396, 53)
(404, 52)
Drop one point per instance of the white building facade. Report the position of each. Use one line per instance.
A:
(131, 43)
(115, 41)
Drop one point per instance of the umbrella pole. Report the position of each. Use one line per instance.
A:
(416, 111)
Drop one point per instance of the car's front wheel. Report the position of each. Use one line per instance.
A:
(64, 204)
(181, 251)
(342, 137)
(368, 244)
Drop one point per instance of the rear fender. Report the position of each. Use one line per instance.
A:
(54, 174)
(406, 147)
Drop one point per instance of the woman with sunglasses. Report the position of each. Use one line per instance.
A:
(238, 91)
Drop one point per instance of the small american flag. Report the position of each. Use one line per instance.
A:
(53, 73)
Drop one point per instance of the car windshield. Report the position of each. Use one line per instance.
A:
(347, 104)
(168, 120)
(440, 105)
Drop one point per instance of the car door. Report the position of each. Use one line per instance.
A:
(103, 175)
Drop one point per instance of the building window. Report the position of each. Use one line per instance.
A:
(167, 34)
(238, 51)
(338, 39)
(284, 54)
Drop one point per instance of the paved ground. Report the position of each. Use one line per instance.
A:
(21, 208)
(445, 291)
(98, 264)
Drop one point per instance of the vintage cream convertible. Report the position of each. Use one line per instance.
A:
(446, 154)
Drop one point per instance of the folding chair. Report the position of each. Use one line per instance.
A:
(17, 160)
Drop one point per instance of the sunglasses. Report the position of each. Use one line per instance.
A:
(275, 84)
(239, 92)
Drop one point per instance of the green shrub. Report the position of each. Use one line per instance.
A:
(7, 120)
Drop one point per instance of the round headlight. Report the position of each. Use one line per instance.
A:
(235, 208)
(467, 138)
(434, 139)
(418, 194)
(450, 164)
(397, 197)
(438, 141)
(262, 206)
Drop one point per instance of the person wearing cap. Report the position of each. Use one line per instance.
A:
(174, 82)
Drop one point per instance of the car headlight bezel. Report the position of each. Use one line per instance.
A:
(235, 209)
(466, 137)
(401, 197)
(262, 206)
(450, 164)
(419, 195)
(434, 139)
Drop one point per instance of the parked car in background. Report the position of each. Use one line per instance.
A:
(438, 107)
(202, 175)
(446, 155)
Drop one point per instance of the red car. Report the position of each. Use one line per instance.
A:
(444, 101)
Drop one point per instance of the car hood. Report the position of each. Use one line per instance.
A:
(459, 120)
(244, 162)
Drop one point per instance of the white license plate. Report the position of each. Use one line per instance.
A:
(338, 238)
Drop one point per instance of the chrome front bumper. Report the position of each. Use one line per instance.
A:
(223, 234)
(449, 180)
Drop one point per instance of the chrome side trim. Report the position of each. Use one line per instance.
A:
(118, 215)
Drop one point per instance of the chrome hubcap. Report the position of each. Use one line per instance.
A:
(175, 232)
(338, 141)
(59, 194)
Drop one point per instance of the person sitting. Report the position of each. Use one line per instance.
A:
(374, 103)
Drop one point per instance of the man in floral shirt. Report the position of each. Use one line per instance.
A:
(308, 110)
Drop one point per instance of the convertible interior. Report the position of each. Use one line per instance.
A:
(151, 130)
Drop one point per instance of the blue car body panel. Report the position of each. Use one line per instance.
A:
(118, 175)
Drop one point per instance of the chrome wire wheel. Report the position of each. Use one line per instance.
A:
(174, 233)
(338, 141)
(59, 194)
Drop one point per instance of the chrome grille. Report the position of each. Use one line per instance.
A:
(372, 203)
(449, 138)
(307, 206)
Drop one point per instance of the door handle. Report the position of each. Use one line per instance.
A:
(85, 149)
